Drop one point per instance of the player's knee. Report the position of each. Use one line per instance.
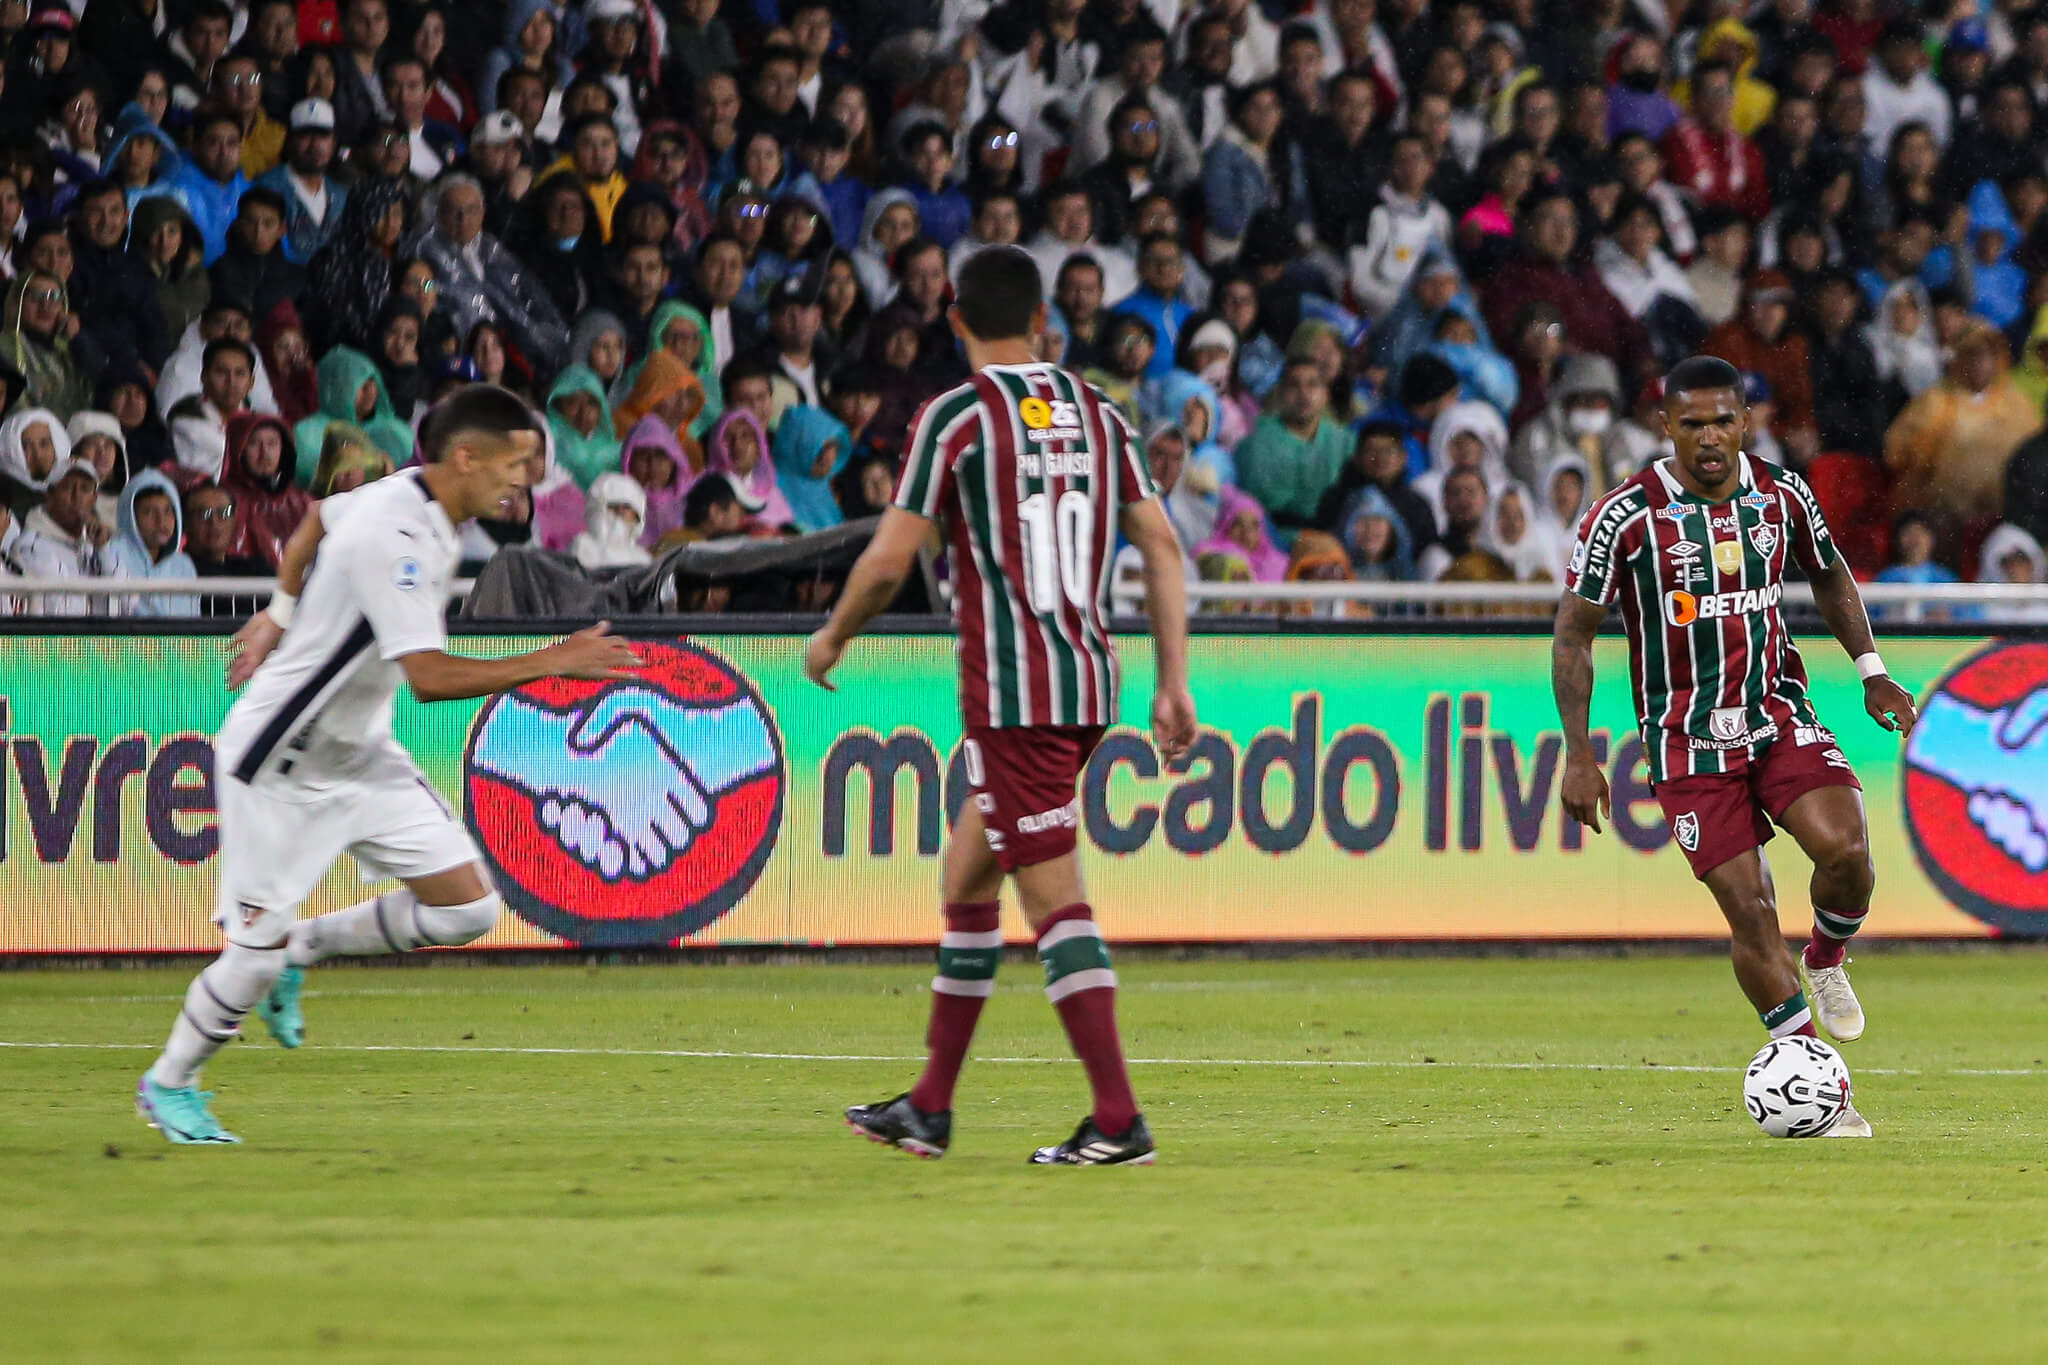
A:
(1848, 867)
(452, 925)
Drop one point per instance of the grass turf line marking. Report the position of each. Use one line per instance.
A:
(1304, 1062)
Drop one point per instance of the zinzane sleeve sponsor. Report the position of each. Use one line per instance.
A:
(1595, 569)
(1807, 525)
(926, 469)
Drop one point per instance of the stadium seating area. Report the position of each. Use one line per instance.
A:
(1389, 282)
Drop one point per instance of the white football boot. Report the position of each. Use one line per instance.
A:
(1851, 1125)
(1834, 1001)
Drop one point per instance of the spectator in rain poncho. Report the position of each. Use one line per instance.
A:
(684, 332)
(614, 518)
(1377, 539)
(258, 475)
(1565, 495)
(1579, 419)
(1525, 541)
(351, 390)
(1435, 285)
(34, 343)
(1190, 403)
(1482, 372)
(149, 537)
(1902, 339)
(664, 387)
(811, 447)
(1466, 436)
(599, 342)
(96, 437)
(656, 460)
(2011, 555)
(738, 449)
(881, 233)
(348, 460)
(1241, 546)
(33, 445)
(582, 428)
(1948, 448)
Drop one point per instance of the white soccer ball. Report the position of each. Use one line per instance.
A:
(1796, 1087)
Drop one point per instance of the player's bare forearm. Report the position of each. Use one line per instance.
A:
(1166, 606)
(592, 654)
(876, 578)
(299, 552)
(1584, 790)
(1840, 603)
(1166, 589)
(1571, 669)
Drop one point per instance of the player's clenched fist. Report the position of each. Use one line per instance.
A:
(821, 656)
(1173, 722)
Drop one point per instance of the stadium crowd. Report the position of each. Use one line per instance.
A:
(1386, 285)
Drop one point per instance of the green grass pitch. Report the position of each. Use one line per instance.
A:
(1361, 1160)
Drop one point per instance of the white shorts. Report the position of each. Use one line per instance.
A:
(274, 850)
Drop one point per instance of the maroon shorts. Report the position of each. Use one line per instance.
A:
(1023, 779)
(1718, 816)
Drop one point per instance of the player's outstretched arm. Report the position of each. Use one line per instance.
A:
(876, 579)
(1841, 605)
(254, 641)
(1146, 526)
(592, 654)
(1586, 798)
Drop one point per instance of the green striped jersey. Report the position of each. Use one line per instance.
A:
(1027, 467)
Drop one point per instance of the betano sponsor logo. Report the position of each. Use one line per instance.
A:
(1684, 608)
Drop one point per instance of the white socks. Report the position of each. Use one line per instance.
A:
(215, 1002)
(394, 922)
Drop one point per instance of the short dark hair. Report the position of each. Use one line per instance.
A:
(998, 293)
(208, 9)
(706, 496)
(261, 197)
(396, 60)
(220, 344)
(210, 115)
(1699, 373)
(778, 52)
(1080, 260)
(484, 409)
(98, 189)
(1142, 29)
(514, 76)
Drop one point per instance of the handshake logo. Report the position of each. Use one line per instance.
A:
(1977, 787)
(2000, 759)
(629, 782)
(628, 813)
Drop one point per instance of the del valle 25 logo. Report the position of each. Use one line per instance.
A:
(627, 814)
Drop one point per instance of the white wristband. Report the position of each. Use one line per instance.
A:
(1869, 666)
(282, 604)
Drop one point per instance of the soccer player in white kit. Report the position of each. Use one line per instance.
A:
(306, 767)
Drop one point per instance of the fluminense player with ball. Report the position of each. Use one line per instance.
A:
(306, 765)
(1695, 550)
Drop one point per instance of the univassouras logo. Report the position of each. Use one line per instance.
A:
(1976, 789)
(627, 814)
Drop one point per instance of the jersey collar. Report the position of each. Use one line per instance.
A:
(1745, 481)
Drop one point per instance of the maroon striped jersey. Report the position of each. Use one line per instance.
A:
(1717, 677)
(1027, 467)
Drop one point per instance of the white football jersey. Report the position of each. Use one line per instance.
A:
(319, 708)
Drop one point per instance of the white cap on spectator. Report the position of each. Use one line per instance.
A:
(499, 128)
(74, 466)
(1214, 332)
(605, 11)
(313, 115)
